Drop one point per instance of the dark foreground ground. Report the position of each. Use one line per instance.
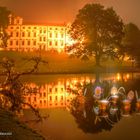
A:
(12, 129)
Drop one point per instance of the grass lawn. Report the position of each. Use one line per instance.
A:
(58, 62)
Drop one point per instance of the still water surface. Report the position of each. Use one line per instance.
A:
(53, 95)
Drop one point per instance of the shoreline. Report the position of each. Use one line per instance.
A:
(96, 70)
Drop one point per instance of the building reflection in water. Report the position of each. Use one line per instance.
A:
(54, 94)
(60, 93)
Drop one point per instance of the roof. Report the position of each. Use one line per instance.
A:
(44, 24)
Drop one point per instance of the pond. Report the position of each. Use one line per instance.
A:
(76, 113)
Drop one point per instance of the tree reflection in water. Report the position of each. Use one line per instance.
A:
(97, 107)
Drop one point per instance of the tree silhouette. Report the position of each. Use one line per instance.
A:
(4, 22)
(131, 42)
(12, 90)
(97, 31)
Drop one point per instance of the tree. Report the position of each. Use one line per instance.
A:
(97, 31)
(131, 41)
(12, 90)
(4, 21)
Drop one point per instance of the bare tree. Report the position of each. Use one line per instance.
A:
(12, 90)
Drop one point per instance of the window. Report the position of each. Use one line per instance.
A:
(44, 94)
(17, 42)
(44, 101)
(23, 34)
(17, 21)
(34, 27)
(40, 101)
(56, 98)
(56, 43)
(11, 34)
(17, 34)
(28, 42)
(22, 42)
(56, 35)
(62, 43)
(40, 38)
(50, 90)
(50, 43)
(34, 34)
(62, 89)
(50, 35)
(62, 35)
(34, 43)
(11, 43)
(50, 98)
(55, 89)
(28, 34)
(29, 99)
(11, 27)
(44, 38)
(61, 97)
(35, 99)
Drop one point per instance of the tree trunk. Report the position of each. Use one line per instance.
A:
(97, 59)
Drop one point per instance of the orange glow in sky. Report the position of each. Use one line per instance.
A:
(65, 10)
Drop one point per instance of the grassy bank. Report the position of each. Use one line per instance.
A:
(62, 63)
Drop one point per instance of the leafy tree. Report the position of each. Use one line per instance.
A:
(97, 31)
(131, 41)
(4, 21)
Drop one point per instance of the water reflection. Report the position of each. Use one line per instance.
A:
(54, 94)
(96, 103)
(99, 105)
(59, 93)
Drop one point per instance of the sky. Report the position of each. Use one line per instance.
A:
(60, 11)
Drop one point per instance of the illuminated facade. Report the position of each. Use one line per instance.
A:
(29, 37)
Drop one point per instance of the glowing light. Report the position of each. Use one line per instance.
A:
(127, 76)
(98, 92)
(118, 77)
(138, 106)
(114, 91)
(126, 108)
(130, 95)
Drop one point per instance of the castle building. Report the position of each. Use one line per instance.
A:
(30, 37)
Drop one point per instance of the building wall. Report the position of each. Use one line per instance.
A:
(30, 37)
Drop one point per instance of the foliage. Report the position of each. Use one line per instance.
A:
(97, 31)
(4, 21)
(131, 41)
(12, 90)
